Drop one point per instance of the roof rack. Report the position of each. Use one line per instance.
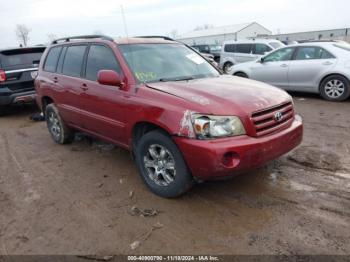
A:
(317, 41)
(68, 39)
(156, 36)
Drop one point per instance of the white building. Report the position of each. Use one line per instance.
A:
(217, 35)
(332, 34)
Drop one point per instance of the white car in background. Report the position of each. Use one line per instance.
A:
(235, 52)
(315, 67)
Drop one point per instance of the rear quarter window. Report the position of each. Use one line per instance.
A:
(52, 59)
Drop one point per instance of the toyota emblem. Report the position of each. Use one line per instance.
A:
(278, 117)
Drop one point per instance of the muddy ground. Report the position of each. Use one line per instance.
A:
(86, 197)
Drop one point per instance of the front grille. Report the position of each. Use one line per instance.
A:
(265, 121)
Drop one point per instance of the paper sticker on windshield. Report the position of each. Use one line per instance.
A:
(145, 76)
(196, 59)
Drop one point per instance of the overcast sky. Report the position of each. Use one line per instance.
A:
(154, 17)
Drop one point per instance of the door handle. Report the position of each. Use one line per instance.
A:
(55, 79)
(327, 63)
(84, 87)
(284, 65)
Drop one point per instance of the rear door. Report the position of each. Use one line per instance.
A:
(68, 83)
(244, 53)
(309, 64)
(103, 106)
(20, 66)
(274, 69)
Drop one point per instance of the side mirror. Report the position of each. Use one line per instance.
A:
(109, 78)
(262, 60)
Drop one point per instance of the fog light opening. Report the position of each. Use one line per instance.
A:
(230, 159)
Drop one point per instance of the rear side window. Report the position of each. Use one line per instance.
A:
(52, 59)
(73, 61)
(312, 52)
(100, 58)
(244, 48)
(261, 49)
(230, 48)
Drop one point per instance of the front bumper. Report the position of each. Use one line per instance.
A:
(218, 158)
(8, 97)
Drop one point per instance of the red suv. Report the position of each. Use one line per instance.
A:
(182, 120)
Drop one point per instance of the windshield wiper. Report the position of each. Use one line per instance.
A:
(176, 79)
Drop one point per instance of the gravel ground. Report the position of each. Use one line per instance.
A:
(87, 197)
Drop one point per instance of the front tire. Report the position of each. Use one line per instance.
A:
(162, 166)
(335, 88)
(60, 133)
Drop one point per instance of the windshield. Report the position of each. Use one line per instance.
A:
(276, 45)
(166, 62)
(343, 46)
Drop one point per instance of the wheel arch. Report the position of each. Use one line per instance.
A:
(143, 127)
(328, 75)
(46, 100)
(240, 72)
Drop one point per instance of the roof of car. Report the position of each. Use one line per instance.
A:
(120, 40)
(143, 40)
(248, 41)
(23, 48)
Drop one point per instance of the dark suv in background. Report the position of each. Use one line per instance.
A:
(18, 69)
(214, 50)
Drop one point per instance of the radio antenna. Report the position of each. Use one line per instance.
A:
(124, 21)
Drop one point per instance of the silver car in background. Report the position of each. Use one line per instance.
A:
(241, 51)
(316, 67)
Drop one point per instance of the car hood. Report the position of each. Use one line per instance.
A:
(225, 95)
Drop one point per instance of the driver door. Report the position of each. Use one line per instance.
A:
(274, 68)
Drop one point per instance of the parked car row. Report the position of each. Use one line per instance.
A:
(180, 117)
(315, 67)
(235, 52)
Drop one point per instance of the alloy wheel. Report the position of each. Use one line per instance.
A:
(160, 165)
(54, 125)
(334, 88)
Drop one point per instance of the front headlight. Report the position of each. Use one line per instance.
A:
(207, 126)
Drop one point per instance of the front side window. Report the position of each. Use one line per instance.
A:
(165, 62)
(52, 59)
(261, 49)
(312, 52)
(100, 58)
(73, 61)
(284, 54)
(244, 48)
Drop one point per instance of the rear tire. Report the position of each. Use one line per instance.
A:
(161, 165)
(335, 88)
(60, 133)
(241, 74)
(226, 67)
